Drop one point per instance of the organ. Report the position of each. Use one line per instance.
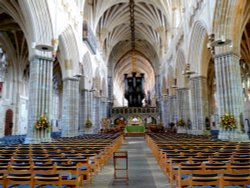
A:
(134, 89)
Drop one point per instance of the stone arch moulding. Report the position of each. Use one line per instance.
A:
(39, 29)
(196, 45)
(104, 87)
(229, 22)
(87, 71)
(180, 67)
(69, 53)
(170, 79)
(97, 82)
(164, 86)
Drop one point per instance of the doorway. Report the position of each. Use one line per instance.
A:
(8, 122)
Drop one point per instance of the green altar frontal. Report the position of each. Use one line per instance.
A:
(134, 129)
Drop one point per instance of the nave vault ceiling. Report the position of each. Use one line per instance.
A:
(113, 28)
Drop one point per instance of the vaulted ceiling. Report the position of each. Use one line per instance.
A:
(12, 39)
(112, 24)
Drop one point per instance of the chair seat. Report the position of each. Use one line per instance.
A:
(83, 168)
(68, 176)
(185, 176)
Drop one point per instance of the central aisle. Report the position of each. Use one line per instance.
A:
(144, 172)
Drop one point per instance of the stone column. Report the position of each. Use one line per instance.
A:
(70, 113)
(164, 110)
(40, 96)
(103, 108)
(199, 104)
(161, 108)
(182, 97)
(229, 91)
(105, 112)
(90, 114)
(97, 103)
(84, 108)
(183, 110)
(167, 112)
(172, 109)
(165, 117)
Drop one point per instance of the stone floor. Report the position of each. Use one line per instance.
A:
(144, 172)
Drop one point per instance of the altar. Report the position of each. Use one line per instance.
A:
(134, 129)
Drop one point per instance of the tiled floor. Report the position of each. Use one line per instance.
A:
(144, 172)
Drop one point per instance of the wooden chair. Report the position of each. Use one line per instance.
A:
(84, 168)
(20, 168)
(204, 180)
(59, 160)
(44, 168)
(69, 174)
(47, 179)
(219, 168)
(19, 179)
(21, 159)
(239, 168)
(241, 159)
(185, 171)
(19, 173)
(234, 180)
(45, 174)
(200, 159)
(41, 159)
(172, 169)
(3, 179)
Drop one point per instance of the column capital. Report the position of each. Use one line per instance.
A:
(171, 96)
(164, 97)
(182, 89)
(84, 90)
(71, 79)
(226, 54)
(43, 57)
(197, 77)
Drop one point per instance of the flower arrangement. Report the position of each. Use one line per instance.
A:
(181, 122)
(42, 122)
(88, 123)
(228, 121)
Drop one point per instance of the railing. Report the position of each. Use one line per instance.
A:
(132, 110)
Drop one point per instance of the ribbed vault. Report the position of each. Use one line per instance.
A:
(112, 27)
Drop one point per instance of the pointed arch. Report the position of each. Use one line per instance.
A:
(87, 71)
(180, 67)
(104, 87)
(229, 21)
(164, 87)
(170, 79)
(38, 23)
(196, 45)
(69, 54)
